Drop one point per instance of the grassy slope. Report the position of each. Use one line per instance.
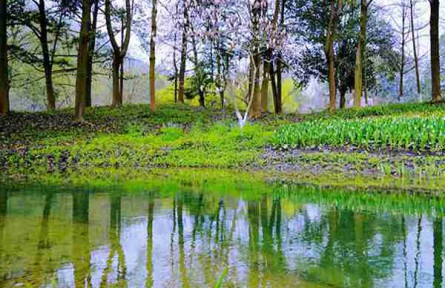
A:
(183, 136)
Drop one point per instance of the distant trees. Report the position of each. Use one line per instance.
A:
(217, 43)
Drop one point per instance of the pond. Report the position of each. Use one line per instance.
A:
(273, 235)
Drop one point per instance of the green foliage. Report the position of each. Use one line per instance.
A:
(381, 133)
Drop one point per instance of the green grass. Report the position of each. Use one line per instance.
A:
(190, 137)
(395, 133)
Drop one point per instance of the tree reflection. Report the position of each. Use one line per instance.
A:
(81, 253)
(115, 243)
(150, 217)
(3, 213)
(438, 250)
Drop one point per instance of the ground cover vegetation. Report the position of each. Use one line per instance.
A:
(374, 143)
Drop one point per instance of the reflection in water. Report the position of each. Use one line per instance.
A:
(438, 251)
(81, 254)
(273, 240)
(3, 213)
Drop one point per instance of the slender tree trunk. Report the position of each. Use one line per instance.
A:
(276, 90)
(4, 79)
(51, 101)
(265, 84)
(183, 62)
(343, 91)
(435, 57)
(175, 65)
(82, 61)
(117, 101)
(402, 61)
(358, 84)
(88, 98)
(279, 82)
(119, 52)
(416, 58)
(219, 82)
(329, 51)
(154, 13)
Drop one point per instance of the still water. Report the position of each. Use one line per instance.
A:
(288, 236)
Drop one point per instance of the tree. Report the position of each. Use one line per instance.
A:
(92, 51)
(402, 53)
(82, 61)
(435, 57)
(153, 55)
(364, 4)
(416, 57)
(336, 9)
(4, 79)
(310, 31)
(183, 60)
(119, 52)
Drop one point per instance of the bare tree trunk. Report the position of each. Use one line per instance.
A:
(93, 30)
(329, 51)
(183, 62)
(4, 80)
(343, 91)
(279, 72)
(175, 65)
(416, 58)
(117, 101)
(276, 90)
(154, 13)
(265, 84)
(119, 52)
(82, 61)
(51, 101)
(435, 57)
(255, 108)
(358, 84)
(402, 61)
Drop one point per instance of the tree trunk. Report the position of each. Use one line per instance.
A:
(154, 13)
(93, 29)
(265, 84)
(255, 108)
(117, 100)
(402, 61)
(416, 58)
(183, 62)
(435, 57)
(278, 91)
(4, 80)
(82, 61)
(343, 91)
(175, 66)
(119, 52)
(358, 84)
(329, 51)
(51, 101)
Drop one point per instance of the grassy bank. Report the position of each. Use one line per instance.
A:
(394, 142)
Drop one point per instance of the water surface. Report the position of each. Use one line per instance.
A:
(283, 236)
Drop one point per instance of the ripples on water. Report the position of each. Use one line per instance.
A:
(290, 237)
